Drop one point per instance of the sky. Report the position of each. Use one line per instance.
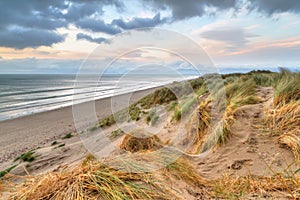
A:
(58, 36)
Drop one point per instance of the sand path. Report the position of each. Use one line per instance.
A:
(250, 149)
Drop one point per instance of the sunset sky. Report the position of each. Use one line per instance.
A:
(56, 36)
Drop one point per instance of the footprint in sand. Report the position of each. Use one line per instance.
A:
(238, 164)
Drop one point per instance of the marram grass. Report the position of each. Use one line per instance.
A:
(91, 180)
(283, 120)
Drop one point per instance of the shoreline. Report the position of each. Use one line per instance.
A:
(24, 133)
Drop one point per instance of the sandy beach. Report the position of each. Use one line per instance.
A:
(22, 134)
(244, 154)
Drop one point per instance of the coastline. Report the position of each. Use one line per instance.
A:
(27, 132)
(248, 145)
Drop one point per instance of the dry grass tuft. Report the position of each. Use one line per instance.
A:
(183, 108)
(92, 180)
(182, 170)
(277, 186)
(197, 127)
(220, 133)
(239, 92)
(140, 141)
(287, 87)
(208, 129)
(284, 119)
(292, 141)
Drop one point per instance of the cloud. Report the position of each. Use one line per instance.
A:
(44, 18)
(273, 53)
(235, 37)
(117, 25)
(99, 40)
(77, 11)
(275, 56)
(33, 14)
(97, 26)
(137, 22)
(190, 8)
(275, 6)
(21, 38)
(58, 11)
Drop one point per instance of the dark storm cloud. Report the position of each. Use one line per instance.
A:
(78, 9)
(39, 14)
(20, 38)
(16, 12)
(275, 6)
(81, 36)
(190, 8)
(137, 22)
(98, 26)
(118, 25)
(33, 23)
(55, 13)
(46, 16)
(30, 23)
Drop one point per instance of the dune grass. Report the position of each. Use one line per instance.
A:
(140, 140)
(284, 118)
(152, 117)
(292, 141)
(287, 87)
(284, 122)
(158, 97)
(173, 106)
(239, 91)
(61, 145)
(264, 79)
(107, 121)
(220, 133)
(6, 171)
(67, 136)
(182, 170)
(197, 127)
(184, 107)
(244, 187)
(283, 184)
(27, 157)
(116, 133)
(91, 180)
(95, 180)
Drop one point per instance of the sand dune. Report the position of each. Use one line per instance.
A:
(246, 159)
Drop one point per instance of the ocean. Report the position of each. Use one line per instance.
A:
(24, 94)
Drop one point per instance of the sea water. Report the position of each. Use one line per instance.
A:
(24, 94)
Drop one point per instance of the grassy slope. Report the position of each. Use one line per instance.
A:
(284, 119)
(92, 179)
